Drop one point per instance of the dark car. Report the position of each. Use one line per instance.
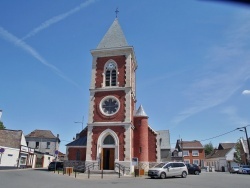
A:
(55, 166)
(193, 169)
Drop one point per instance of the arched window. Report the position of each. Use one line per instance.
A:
(109, 140)
(110, 74)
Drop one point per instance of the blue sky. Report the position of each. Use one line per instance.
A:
(193, 75)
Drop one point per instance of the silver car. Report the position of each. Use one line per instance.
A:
(168, 169)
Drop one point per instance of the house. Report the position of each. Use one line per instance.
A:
(226, 146)
(45, 145)
(43, 141)
(221, 159)
(117, 130)
(190, 152)
(14, 151)
(165, 147)
(244, 152)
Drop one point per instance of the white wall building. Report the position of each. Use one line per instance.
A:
(14, 151)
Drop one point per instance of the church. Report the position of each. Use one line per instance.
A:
(116, 131)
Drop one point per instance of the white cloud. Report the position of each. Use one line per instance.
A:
(31, 51)
(233, 116)
(246, 92)
(58, 18)
(228, 70)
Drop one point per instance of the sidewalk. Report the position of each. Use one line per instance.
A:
(85, 176)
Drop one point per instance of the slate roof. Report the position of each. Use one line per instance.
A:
(10, 138)
(41, 134)
(226, 145)
(218, 153)
(114, 37)
(82, 141)
(141, 112)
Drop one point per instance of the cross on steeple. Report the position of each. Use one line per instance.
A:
(116, 12)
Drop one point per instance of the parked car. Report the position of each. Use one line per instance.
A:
(234, 170)
(55, 166)
(244, 169)
(193, 169)
(168, 169)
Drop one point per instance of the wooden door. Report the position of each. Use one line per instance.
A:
(112, 159)
(108, 159)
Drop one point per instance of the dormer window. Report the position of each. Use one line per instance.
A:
(110, 74)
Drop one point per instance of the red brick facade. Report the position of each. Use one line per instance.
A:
(72, 153)
(119, 116)
(144, 140)
(119, 130)
(201, 156)
(101, 61)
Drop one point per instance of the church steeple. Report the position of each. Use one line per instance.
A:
(114, 37)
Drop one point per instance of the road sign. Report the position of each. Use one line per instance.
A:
(135, 161)
(56, 152)
(2, 150)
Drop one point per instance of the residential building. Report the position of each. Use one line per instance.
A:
(244, 151)
(221, 159)
(116, 132)
(190, 152)
(14, 151)
(43, 141)
(165, 147)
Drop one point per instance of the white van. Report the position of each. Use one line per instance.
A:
(168, 169)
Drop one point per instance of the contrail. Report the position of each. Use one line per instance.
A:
(56, 19)
(17, 42)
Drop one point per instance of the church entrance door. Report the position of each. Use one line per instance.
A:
(108, 158)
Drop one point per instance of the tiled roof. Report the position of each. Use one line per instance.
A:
(226, 145)
(190, 144)
(218, 153)
(82, 141)
(114, 37)
(10, 138)
(41, 134)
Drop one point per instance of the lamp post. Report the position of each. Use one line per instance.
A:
(80, 121)
(245, 130)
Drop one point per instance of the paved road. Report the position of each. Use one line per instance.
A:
(44, 179)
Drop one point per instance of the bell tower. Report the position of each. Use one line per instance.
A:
(112, 100)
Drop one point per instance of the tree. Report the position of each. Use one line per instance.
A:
(237, 154)
(2, 125)
(208, 148)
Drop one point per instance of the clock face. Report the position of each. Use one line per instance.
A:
(109, 105)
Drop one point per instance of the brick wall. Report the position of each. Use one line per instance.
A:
(119, 116)
(191, 158)
(120, 60)
(152, 150)
(119, 130)
(72, 153)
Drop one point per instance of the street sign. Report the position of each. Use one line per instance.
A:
(2, 150)
(56, 152)
(135, 161)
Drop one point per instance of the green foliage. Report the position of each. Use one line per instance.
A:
(237, 154)
(2, 125)
(208, 148)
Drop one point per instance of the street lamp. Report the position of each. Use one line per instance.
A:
(80, 121)
(245, 130)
